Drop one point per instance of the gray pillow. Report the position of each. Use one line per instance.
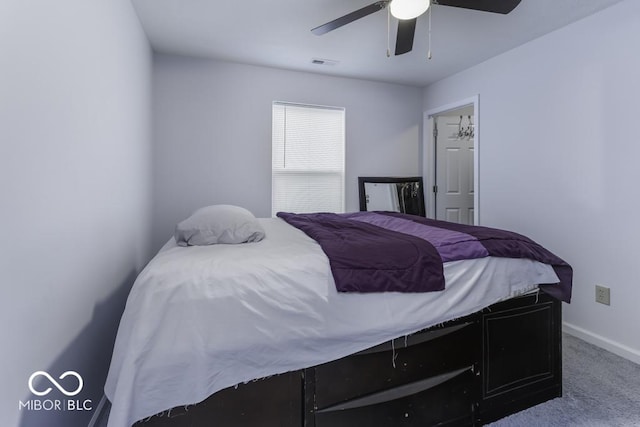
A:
(218, 224)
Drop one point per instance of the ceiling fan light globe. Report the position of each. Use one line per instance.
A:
(408, 9)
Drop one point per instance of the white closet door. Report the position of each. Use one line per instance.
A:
(454, 172)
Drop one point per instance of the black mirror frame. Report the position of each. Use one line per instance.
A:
(389, 180)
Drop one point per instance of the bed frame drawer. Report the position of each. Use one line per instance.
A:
(447, 403)
(391, 365)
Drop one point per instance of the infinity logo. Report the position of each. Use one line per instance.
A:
(55, 383)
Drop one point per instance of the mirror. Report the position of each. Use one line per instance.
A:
(392, 194)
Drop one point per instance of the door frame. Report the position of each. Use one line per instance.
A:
(429, 153)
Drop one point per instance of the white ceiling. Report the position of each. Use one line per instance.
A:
(277, 33)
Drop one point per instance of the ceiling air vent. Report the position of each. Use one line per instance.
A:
(319, 61)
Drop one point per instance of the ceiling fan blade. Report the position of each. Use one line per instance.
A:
(404, 38)
(495, 6)
(353, 16)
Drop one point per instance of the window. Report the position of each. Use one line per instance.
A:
(307, 170)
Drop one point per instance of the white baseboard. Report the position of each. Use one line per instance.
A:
(98, 419)
(600, 341)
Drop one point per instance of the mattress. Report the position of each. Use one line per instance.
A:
(203, 318)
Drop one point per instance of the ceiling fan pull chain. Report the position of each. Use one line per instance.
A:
(429, 52)
(388, 32)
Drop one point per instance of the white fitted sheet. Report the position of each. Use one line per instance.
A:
(203, 318)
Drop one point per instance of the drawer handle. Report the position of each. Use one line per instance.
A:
(416, 339)
(396, 392)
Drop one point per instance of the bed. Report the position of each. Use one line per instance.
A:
(258, 334)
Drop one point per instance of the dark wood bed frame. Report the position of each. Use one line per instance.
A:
(470, 371)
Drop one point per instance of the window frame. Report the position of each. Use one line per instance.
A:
(340, 170)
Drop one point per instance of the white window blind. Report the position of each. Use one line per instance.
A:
(307, 170)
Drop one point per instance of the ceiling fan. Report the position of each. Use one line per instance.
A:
(407, 12)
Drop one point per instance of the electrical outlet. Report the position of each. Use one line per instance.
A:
(603, 295)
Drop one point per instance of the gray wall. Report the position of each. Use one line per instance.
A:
(75, 192)
(559, 159)
(212, 132)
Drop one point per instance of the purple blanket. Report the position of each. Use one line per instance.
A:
(389, 251)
